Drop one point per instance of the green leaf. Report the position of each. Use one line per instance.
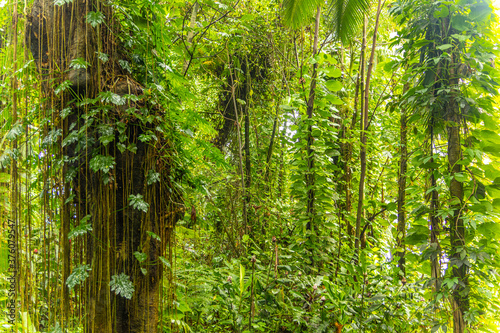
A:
(297, 12)
(490, 230)
(460, 23)
(57, 328)
(242, 279)
(442, 11)
(459, 177)
(79, 63)
(122, 285)
(417, 235)
(82, 228)
(480, 12)
(334, 99)
(95, 18)
(102, 163)
(165, 262)
(140, 256)
(346, 17)
(480, 191)
(106, 134)
(153, 177)
(78, 275)
(333, 71)
(102, 56)
(111, 97)
(65, 112)
(62, 87)
(14, 132)
(153, 235)
(125, 65)
(137, 202)
(52, 137)
(62, 2)
(333, 86)
(444, 47)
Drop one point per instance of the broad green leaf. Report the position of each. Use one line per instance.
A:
(137, 202)
(62, 87)
(65, 112)
(165, 262)
(490, 230)
(62, 2)
(333, 71)
(82, 228)
(333, 86)
(444, 47)
(140, 256)
(78, 275)
(102, 56)
(334, 99)
(153, 235)
(14, 132)
(102, 163)
(153, 177)
(122, 285)
(79, 63)
(111, 97)
(480, 12)
(95, 18)
(441, 12)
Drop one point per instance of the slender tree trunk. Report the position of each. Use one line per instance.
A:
(460, 303)
(434, 219)
(14, 178)
(240, 153)
(401, 229)
(192, 23)
(310, 151)
(364, 126)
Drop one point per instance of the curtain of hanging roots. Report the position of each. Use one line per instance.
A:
(53, 188)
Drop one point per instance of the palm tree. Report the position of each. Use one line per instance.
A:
(345, 16)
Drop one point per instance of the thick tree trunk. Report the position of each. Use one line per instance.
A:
(56, 35)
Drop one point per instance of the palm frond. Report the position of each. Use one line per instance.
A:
(297, 12)
(346, 16)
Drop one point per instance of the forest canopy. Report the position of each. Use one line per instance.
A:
(249, 166)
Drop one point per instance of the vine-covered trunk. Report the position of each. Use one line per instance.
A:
(365, 125)
(113, 177)
(403, 141)
(310, 176)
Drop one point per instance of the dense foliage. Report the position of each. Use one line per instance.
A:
(295, 166)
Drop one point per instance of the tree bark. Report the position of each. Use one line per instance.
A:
(364, 126)
(310, 151)
(401, 229)
(56, 35)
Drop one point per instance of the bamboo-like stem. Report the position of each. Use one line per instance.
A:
(240, 153)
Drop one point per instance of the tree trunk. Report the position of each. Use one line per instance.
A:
(401, 229)
(364, 126)
(57, 35)
(310, 152)
(460, 302)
